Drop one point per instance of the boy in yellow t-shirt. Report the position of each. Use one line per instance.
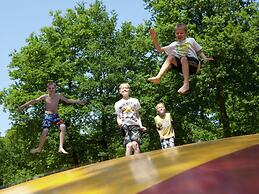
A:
(164, 127)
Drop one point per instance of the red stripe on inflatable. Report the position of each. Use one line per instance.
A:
(225, 175)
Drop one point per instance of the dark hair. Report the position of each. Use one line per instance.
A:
(183, 26)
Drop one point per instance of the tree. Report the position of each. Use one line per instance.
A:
(228, 30)
(87, 57)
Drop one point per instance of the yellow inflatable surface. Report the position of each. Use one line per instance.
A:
(220, 166)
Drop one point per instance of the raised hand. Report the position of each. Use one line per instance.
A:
(152, 33)
(83, 102)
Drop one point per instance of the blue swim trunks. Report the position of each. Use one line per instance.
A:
(51, 118)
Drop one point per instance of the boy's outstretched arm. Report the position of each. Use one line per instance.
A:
(31, 102)
(72, 101)
(82, 102)
(203, 56)
(155, 41)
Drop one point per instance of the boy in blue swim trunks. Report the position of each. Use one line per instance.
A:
(51, 115)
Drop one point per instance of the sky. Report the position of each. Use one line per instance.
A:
(20, 18)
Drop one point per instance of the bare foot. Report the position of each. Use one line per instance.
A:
(184, 89)
(155, 80)
(61, 150)
(35, 151)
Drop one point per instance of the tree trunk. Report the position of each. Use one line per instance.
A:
(222, 108)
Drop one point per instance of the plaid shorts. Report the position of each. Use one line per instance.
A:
(130, 133)
(167, 143)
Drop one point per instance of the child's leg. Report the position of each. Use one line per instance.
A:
(166, 65)
(42, 141)
(62, 139)
(135, 146)
(128, 149)
(185, 69)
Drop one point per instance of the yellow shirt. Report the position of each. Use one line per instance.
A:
(164, 126)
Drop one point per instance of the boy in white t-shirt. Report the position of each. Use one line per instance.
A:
(128, 119)
(181, 55)
(164, 127)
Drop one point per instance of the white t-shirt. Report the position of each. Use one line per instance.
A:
(188, 47)
(127, 111)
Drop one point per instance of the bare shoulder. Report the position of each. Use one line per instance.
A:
(42, 97)
(134, 99)
(60, 96)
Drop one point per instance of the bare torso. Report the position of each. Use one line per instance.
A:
(51, 102)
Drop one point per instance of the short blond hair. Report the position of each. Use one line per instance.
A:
(160, 103)
(126, 84)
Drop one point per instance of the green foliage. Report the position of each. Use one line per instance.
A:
(227, 30)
